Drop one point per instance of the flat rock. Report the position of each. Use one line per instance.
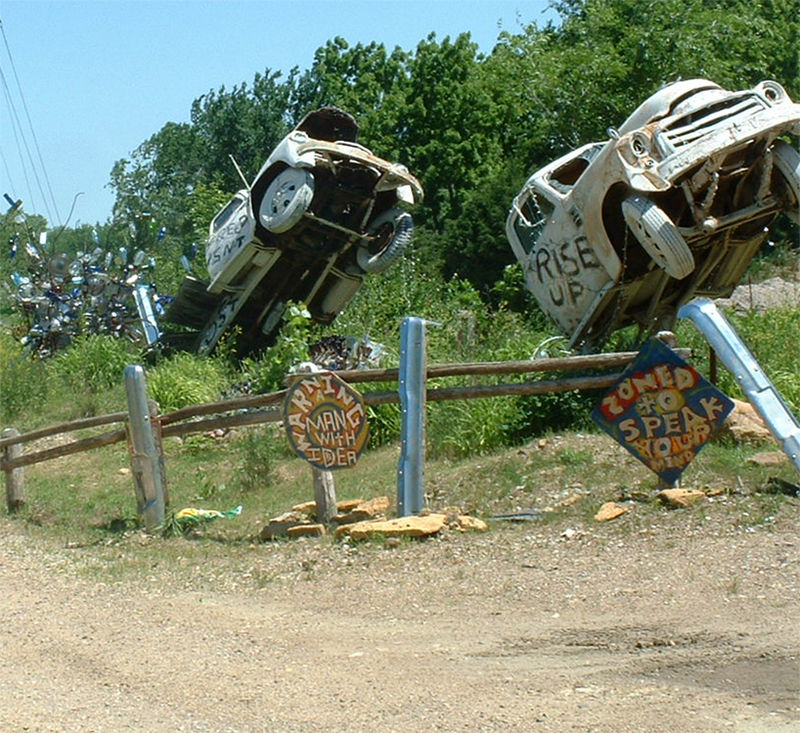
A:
(610, 510)
(768, 458)
(680, 498)
(306, 530)
(310, 507)
(307, 507)
(772, 293)
(745, 425)
(465, 523)
(363, 510)
(413, 526)
(400, 527)
(280, 526)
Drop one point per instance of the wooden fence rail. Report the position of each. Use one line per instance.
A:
(246, 408)
(76, 446)
(67, 427)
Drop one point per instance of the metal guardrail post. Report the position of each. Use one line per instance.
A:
(147, 315)
(412, 385)
(145, 463)
(739, 360)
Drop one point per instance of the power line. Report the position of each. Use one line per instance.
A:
(14, 129)
(5, 166)
(30, 123)
(33, 132)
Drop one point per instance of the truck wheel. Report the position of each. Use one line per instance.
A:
(787, 161)
(286, 199)
(658, 236)
(391, 233)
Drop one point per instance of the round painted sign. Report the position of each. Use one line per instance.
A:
(325, 421)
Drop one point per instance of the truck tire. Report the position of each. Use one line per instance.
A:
(391, 233)
(787, 161)
(658, 236)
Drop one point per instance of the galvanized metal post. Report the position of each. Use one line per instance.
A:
(147, 314)
(739, 360)
(158, 439)
(144, 454)
(412, 387)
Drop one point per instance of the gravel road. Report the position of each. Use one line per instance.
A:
(659, 621)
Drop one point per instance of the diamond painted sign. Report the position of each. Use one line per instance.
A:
(662, 410)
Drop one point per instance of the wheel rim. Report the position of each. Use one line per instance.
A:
(282, 197)
(286, 199)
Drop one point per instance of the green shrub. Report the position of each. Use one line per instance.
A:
(267, 372)
(186, 379)
(93, 363)
(87, 378)
(408, 289)
(257, 451)
(468, 427)
(23, 382)
(385, 423)
(546, 413)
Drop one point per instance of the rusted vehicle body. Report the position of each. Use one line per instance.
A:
(674, 205)
(322, 213)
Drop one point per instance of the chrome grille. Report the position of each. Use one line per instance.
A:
(685, 130)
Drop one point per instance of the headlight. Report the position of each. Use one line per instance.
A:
(641, 144)
(773, 91)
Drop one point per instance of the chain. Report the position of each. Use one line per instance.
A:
(619, 297)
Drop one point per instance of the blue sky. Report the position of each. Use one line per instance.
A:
(98, 77)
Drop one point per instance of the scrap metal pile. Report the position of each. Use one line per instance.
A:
(98, 292)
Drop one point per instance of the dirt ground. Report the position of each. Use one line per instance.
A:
(680, 620)
(683, 621)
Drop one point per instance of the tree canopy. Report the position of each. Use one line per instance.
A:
(470, 126)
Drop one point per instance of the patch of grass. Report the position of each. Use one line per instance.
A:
(733, 587)
(83, 495)
(88, 505)
(574, 457)
(760, 509)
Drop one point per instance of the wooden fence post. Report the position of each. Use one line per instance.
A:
(15, 477)
(324, 495)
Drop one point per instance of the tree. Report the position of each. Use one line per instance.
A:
(367, 81)
(246, 123)
(565, 84)
(449, 124)
(471, 128)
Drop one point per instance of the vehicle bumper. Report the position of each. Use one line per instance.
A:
(650, 175)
